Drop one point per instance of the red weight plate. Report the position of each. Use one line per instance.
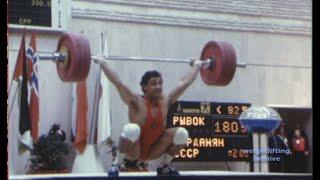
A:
(76, 64)
(63, 47)
(81, 66)
(68, 44)
(85, 59)
(230, 64)
(225, 63)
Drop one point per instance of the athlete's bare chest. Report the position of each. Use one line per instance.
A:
(141, 114)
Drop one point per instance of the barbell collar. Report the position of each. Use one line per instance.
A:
(241, 64)
(56, 56)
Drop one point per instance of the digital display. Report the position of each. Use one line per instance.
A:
(215, 133)
(30, 12)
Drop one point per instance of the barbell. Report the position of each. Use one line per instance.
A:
(73, 60)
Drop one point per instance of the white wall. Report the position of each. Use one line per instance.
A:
(54, 105)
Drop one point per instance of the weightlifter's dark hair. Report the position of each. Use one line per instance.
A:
(147, 76)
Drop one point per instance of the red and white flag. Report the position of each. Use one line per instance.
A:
(32, 59)
(104, 120)
(18, 69)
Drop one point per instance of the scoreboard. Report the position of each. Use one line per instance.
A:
(39, 14)
(30, 12)
(215, 133)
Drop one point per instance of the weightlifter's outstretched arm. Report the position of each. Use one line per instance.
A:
(185, 82)
(126, 94)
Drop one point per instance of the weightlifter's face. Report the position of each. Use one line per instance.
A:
(154, 87)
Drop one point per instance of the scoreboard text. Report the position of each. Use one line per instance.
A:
(215, 133)
(30, 12)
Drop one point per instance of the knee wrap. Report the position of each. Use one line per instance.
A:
(131, 131)
(181, 136)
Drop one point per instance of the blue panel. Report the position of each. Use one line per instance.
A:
(260, 125)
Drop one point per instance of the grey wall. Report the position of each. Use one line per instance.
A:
(273, 37)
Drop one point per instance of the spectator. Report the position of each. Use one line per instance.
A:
(300, 151)
(278, 150)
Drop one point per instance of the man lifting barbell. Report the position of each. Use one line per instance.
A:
(146, 137)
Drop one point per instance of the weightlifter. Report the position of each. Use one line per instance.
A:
(146, 136)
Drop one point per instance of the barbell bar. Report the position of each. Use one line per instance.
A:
(151, 59)
(73, 60)
(60, 57)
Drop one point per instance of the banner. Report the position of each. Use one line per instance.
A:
(24, 115)
(79, 116)
(32, 59)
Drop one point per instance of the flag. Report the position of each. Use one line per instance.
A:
(24, 115)
(79, 116)
(104, 116)
(32, 59)
(16, 78)
(104, 122)
(85, 160)
(17, 73)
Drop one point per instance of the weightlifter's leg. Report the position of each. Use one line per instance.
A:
(169, 144)
(128, 147)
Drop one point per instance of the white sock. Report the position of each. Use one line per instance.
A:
(119, 158)
(165, 160)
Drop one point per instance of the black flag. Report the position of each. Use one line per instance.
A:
(24, 118)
